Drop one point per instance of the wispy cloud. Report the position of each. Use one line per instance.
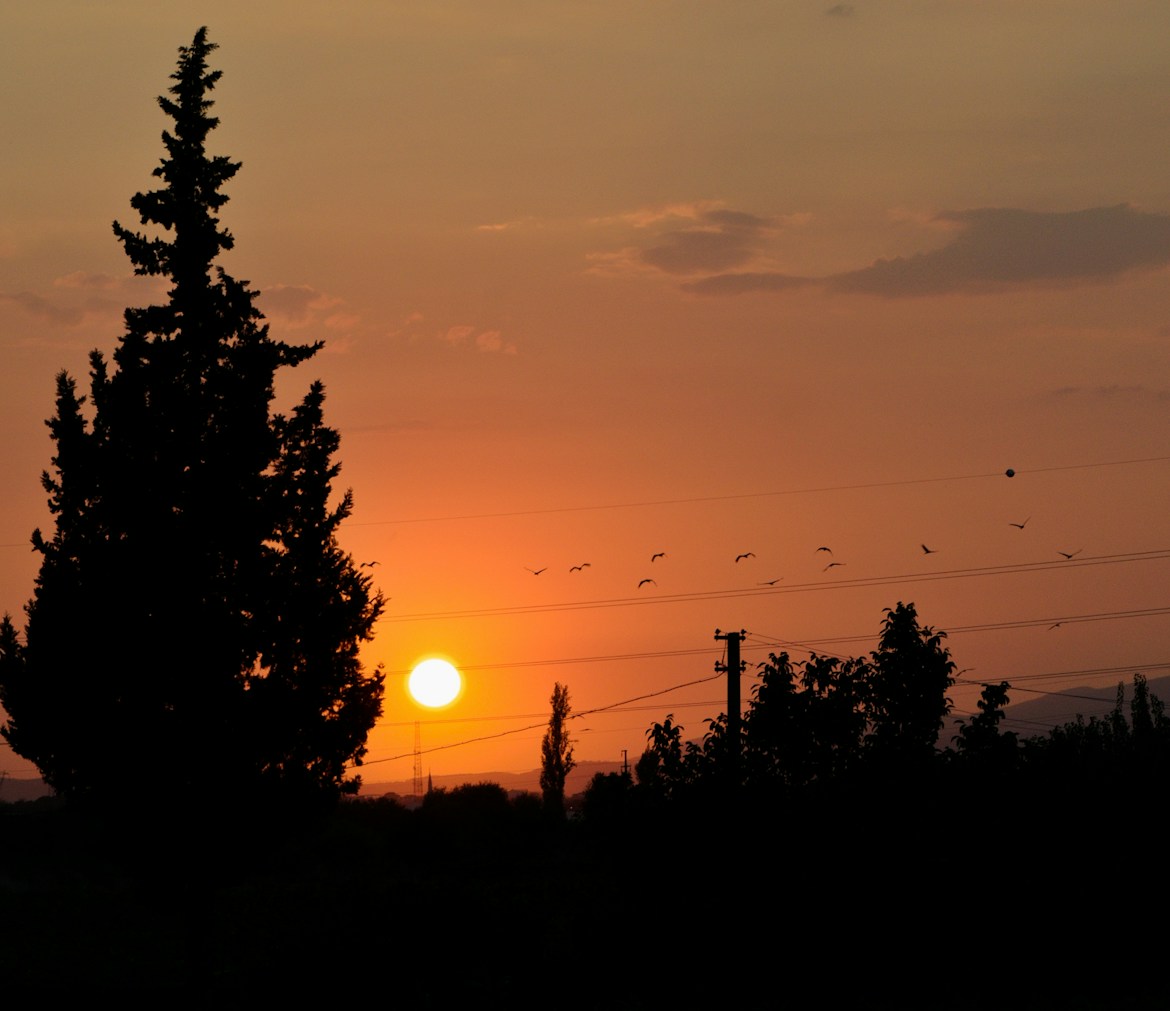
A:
(87, 280)
(42, 308)
(994, 249)
(81, 296)
(488, 341)
(739, 284)
(644, 217)
(299, 305)
(718, 239)
(841, 11)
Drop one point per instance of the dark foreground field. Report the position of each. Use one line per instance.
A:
(491, 905)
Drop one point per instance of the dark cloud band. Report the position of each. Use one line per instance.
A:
(998, 248)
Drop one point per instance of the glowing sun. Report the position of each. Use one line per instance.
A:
(434, 683)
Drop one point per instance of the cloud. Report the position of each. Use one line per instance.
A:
(644, 217)
(457, 334)
(718, 239)
(841, 11)
(88, 280)
(42, 308)
(738, 284)
(622, 262)
(994, 249)
(490, 341)
(299, 305)
(341, 320)
(1000, 247)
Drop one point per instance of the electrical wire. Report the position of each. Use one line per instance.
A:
(1157, 554)
(751, 495)
(538, 726)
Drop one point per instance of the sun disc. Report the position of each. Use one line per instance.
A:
(434, 683)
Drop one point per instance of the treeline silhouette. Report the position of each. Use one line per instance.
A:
(831, 730)
(850, 858)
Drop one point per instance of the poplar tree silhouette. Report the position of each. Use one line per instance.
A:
(195, 626)
(556, 752)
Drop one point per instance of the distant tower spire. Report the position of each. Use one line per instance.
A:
(417, 759)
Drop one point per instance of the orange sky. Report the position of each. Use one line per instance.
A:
(600, 280)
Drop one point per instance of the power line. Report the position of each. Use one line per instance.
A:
(995, 625)
(537, 726)
(861, 486)
(758, 641)
(1159, 554)
(751, 495)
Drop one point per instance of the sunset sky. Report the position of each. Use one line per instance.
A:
(600, 280)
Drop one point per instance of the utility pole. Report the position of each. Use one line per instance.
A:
(734, 668)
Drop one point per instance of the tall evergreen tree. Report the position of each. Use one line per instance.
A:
(194, 624)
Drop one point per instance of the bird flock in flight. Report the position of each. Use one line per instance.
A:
(749, 555)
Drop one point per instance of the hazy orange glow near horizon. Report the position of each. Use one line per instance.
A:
(601, 281)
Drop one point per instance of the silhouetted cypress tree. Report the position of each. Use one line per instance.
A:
(556, 752)
(195, 625)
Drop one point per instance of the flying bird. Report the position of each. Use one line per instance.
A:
(831, 565)
(644, 582)
(1073, 555)
(657, 555)
(1020, 526)
(929, 551)
(536, 572)
(746, 554)
(829, 550)
(769, 582)
(577, 568)
(368, 565)
(1057, 625)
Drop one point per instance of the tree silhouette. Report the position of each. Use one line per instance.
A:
(195, 625)
(805, 721)
(556, 752)
(911, 673)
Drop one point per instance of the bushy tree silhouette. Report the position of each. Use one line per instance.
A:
(910, 674)
(195, 625)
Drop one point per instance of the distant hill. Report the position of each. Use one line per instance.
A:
(1037, 715)
(12, 790)
(576, 782)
